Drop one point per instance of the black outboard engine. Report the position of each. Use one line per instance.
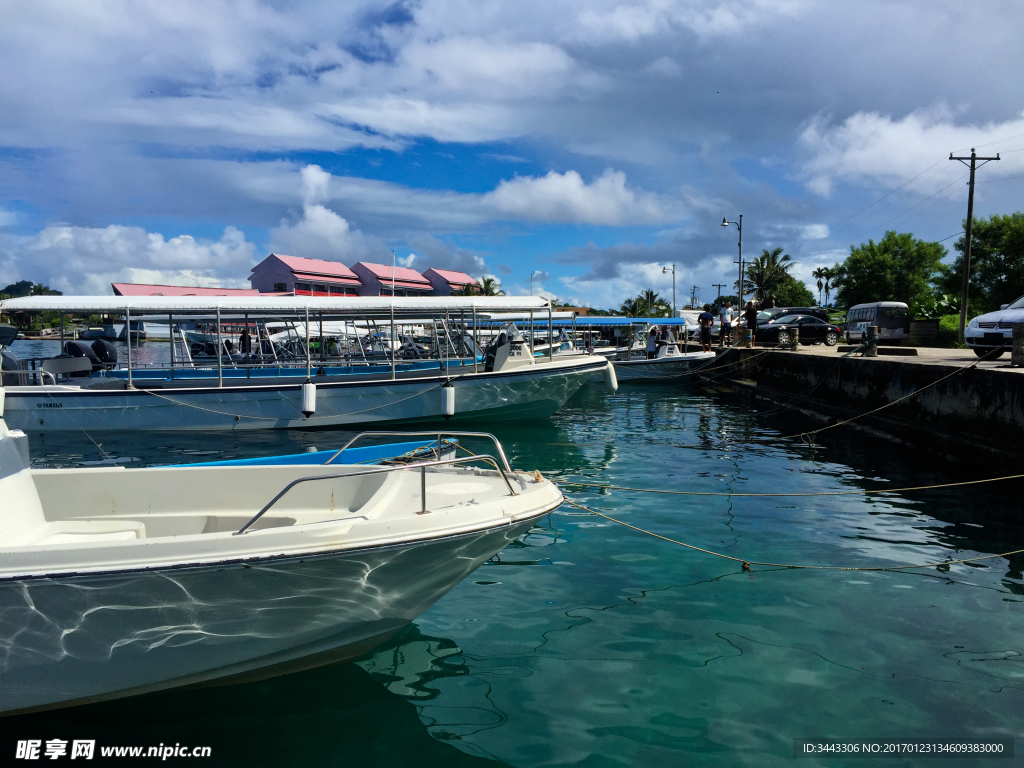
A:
(82, 349)
(13, 372)
(106, 352)
(492, 350)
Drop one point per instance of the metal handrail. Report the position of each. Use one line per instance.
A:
(422, 466)
(437, 434)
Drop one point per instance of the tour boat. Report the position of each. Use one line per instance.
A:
(259, 390)
(117, 581)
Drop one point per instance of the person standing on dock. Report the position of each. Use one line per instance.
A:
(725, 333)
(750, 316)
(705, 319)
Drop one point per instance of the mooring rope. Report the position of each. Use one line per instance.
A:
(271, 418)
(746, 564)
(860, 492)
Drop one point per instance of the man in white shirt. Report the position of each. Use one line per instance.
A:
(725, 334)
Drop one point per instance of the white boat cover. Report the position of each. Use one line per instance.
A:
(270, 305)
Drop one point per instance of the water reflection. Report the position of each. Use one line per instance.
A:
(331, 715)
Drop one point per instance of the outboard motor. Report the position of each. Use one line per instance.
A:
(13, 372)
(106, 352)
(508, 350)
(82, 349)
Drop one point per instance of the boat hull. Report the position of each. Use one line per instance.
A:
(525, 392)
(660, 368)
(81, 639)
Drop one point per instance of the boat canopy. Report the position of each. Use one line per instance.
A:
(262, 306)
(586, 321)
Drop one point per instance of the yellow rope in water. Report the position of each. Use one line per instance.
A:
(747, 563)
(820, 493)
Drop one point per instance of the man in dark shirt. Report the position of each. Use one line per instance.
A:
(750, 315)
(705, 319)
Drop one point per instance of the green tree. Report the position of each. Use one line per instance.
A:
(490, 286)
(653, 305)
(997, 263)
(767, 273)
(896, 268)
(793, 293)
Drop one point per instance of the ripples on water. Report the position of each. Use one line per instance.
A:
(590, 644)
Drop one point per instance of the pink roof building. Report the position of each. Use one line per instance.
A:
(447, 282)
(304, 277)
(377, 280)
(142, 289)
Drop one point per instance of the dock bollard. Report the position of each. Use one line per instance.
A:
(1017, 351)
(872, 339)
(794, 345)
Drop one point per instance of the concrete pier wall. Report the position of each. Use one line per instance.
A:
(980, 409)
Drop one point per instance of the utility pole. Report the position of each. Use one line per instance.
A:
(665, 270)
(693, 297)
(739, 225)
(719, 286)
(970, 222)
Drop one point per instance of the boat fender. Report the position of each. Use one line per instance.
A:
(308, 399)
(611, 381)
(448, 399)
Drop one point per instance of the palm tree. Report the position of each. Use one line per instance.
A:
(829, 274)
(819, 275)
(630, 308)
(490, 286)
(767, 272)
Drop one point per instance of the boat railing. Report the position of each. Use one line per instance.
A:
(422, 466)
(438, 434)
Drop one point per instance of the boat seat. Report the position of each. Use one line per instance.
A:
(22, 521)
(85, 531)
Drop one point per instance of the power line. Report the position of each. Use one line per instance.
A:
(901, 186)
(915, 205)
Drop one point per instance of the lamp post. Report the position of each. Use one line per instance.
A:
(531, 280)
(739, 224)
(664, 271)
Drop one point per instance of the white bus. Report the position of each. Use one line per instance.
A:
(891, 317)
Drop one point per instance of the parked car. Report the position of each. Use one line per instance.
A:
(813, 330)
(987, 333)
(767, 315)
(891, 317)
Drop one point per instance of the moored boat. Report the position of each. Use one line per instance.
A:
(115, 582)
(460, 382)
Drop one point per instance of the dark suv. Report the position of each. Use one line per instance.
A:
(767, 315)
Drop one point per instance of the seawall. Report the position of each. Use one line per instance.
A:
(977, 410)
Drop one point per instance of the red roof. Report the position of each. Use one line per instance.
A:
(316, 266)
(314, 277)
(142, 289)
(456, 278)
(402, 275)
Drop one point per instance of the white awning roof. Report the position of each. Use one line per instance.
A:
(274, 305)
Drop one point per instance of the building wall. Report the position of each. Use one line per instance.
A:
(273, 276)
(270, 272)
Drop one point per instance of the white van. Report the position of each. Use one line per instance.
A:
(891, 317)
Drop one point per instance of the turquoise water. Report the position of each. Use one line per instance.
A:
(589, 644)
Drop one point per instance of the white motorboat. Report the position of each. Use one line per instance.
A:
(116, 581)
(632, 363)
(234, 392)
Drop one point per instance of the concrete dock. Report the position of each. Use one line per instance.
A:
(942, 400)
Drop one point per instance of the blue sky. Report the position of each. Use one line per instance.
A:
(587, 143)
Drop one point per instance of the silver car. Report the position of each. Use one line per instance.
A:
(989, 332)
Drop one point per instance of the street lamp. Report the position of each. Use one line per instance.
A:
(531, 280)
(664, 271)
(739, 224)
